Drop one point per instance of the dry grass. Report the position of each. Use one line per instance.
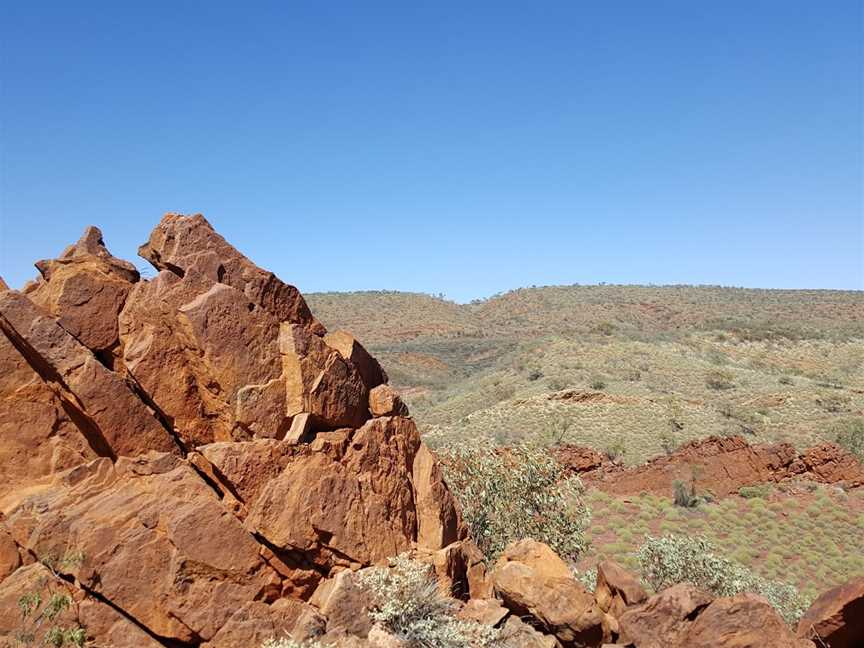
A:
(812, 539)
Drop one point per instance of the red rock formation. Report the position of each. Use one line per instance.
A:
(145, 427)
(836, 618)
(720, 465)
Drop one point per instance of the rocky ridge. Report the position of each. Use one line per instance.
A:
(196, 462)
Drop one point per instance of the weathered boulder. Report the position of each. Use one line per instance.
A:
(153, 539)
(103, 406)
(617, 589)
(385, 401)
(349, 348)
(460, 568)
(352, 510)
(741, 621)
(530, 581)
(319, 381)
(664, 618)
(518, 633)
(177, 244)
(486, 611)
(344, 603)
(85, 289)
(836, 618)
(39, 436)
(257, 622)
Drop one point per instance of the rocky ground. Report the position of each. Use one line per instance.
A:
(194, 460)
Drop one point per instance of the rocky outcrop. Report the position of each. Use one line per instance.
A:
(721, 465)
(533, 582)
(836, 618)
(201, 445)
(85, 289)
(617, 589)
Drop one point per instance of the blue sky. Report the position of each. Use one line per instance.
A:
(463, 148)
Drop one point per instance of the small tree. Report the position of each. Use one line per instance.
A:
(508, 494)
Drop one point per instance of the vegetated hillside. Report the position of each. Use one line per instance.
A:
(632, 369)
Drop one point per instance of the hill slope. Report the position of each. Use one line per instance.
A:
(648, 366)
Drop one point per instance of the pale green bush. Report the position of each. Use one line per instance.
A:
(674, 559)
(287, 642)
(407, 601)
(508, 495)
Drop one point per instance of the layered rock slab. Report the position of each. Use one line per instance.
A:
(179, 241)
(154, 540)
(85, 288)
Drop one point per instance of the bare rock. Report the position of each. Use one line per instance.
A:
(617, 589)
(664, 618)
(345, 604)
(104, 626)
(104, 407)
(355, 510)
(349, 348)
(460, 569)
(741, 621)
(257, 622)
(486, 611)
(836, 618)
(320, 382)
(155, 541)
(385, 401)
(206, 356)
(439, 523)
(530, 582)
(177, 244)
(39, 435)
(517, 633)
(85, 289)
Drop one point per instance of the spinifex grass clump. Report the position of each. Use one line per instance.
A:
(514, 493)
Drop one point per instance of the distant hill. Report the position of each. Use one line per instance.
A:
(650, 365)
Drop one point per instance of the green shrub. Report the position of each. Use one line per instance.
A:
(407, 601)
(597, 383)
(508, 495)
(675, 559)
(41, 608)
(751, 492)
(849, 433)
(616, 450)
(287, 642)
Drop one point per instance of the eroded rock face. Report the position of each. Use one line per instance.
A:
(201, 446)
(530, 582)
(179, 242)
(837, 617)
(85, 289)
(104, 407)
(723, 466)
(741, 621)
(617, 589)
(664, 618)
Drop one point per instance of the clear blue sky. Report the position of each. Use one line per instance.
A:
(464, 147)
